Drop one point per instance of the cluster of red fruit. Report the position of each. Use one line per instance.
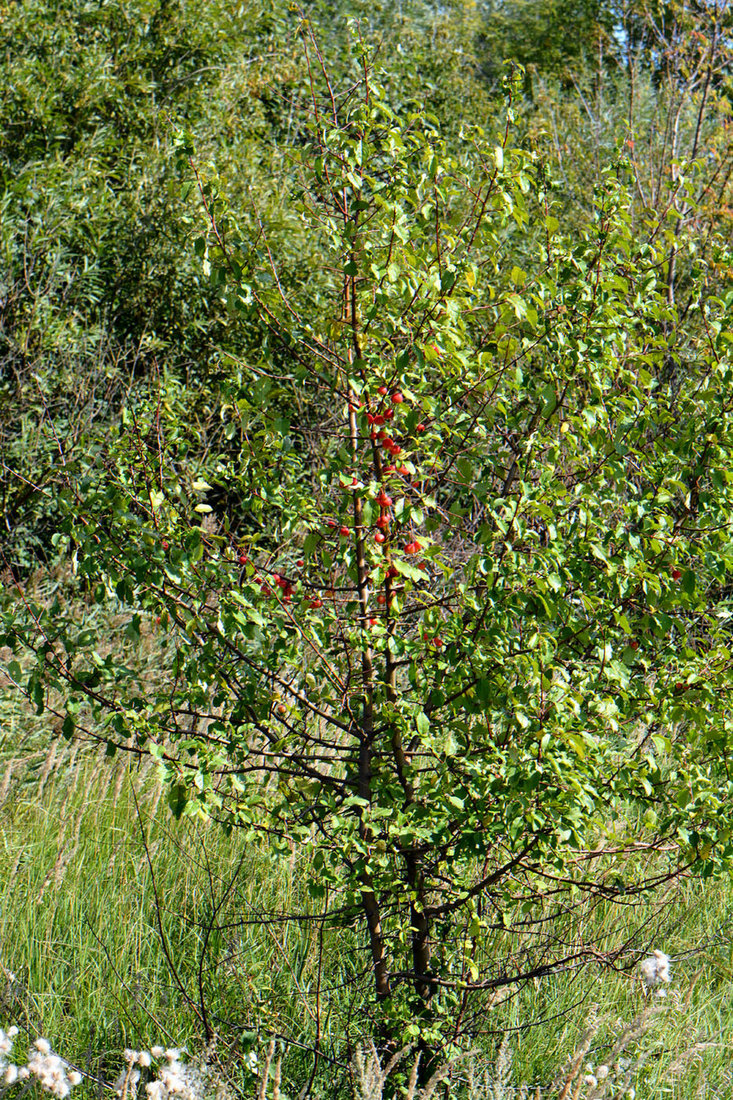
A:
(284, 585)
(385, 440)
(343, 530)
(287, 589)
(385, 503)
(379, 419)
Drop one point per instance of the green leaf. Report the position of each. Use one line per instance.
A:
(177, 797)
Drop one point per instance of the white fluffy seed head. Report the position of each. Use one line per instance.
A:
(655, 969)
(663, 962)
(42, 1046)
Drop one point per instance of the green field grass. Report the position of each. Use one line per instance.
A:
(106, 936)
(107, 941)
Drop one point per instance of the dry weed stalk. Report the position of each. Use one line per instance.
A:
(265, 1075)
(370, 1075)
(614, 1076)
(5, 785)
(495, 1083)
(571, 1074)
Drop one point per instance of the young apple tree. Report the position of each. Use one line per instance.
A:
(448, 604)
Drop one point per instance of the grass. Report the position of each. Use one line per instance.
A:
(105, 929)
(106, 942)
